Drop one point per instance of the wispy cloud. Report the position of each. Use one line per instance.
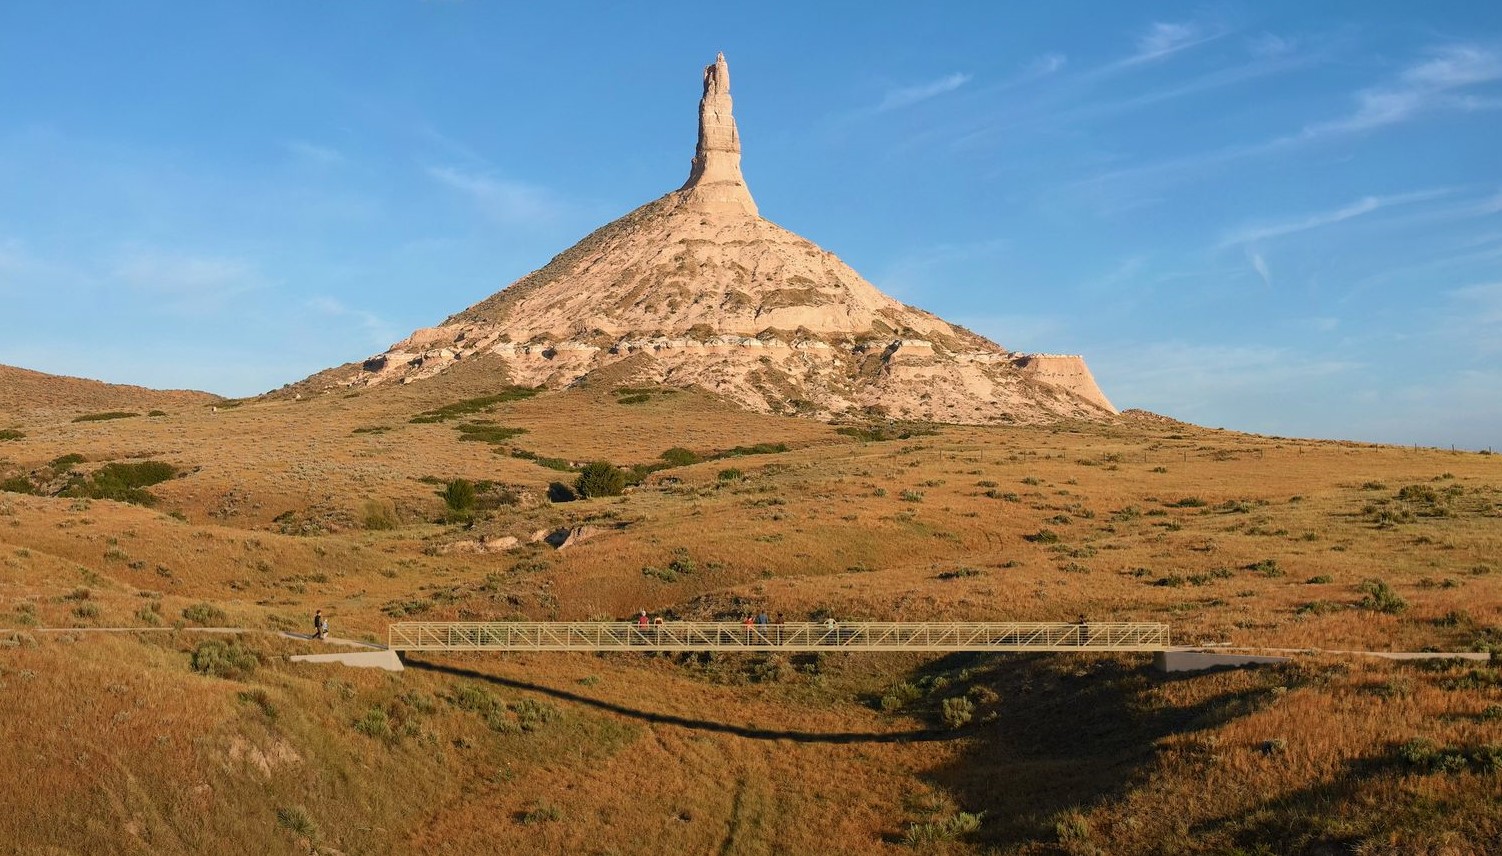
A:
(1362, 206)
(184, 281)
(1424, 87)
(1164, 39)
(1473, 319)
(1270, 45)
(907, 96)
(1259, 264)
(1025, 333)
(375, 330)
(1191, 380)
(314, 153)
(1123, 273)
(924, 268)
(1049, 63)
(510, 202)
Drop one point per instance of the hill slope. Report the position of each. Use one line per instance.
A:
(26, 391)
(719, 298)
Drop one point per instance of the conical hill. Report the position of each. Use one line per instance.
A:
(697, 289)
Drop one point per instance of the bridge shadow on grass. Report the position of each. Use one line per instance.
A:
(834, 737)
(1064, 732)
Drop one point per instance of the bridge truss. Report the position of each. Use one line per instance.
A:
(718, 636)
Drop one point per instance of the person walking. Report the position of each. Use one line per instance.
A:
(318, 625)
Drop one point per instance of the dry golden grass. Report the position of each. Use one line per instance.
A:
(113, 744)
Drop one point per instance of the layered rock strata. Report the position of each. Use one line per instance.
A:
(696, 289)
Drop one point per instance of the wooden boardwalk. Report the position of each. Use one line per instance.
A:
(716, 636)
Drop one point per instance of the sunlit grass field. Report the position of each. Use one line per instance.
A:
(116, 743)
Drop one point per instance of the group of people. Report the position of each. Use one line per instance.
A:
(757, 627)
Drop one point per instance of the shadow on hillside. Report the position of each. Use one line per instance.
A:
(921, 736)
(1320, 819)
(1068, 732)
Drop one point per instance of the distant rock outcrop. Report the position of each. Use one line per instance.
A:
(697, 289)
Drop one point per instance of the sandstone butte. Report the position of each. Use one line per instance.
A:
(696, 289)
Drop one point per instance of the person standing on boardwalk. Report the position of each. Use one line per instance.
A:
(749, 623)
(1084, 629)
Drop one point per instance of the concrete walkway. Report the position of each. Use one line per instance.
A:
(369, 655)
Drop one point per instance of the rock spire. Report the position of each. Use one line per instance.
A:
(697, 290)
(714, 180)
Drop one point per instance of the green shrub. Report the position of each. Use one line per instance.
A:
(756, 449)
(63, 463)
(942, 831)
(379, 515)
(1378, 596)
(957, 712)
(122, 482)
(638, 398)
(102, 417)
(730, 474)
(680, 457)
(560, 492)
(1420, 493)
(1043, 536)
(459, 495)
(1189, 502)
(260, 699)
(204, 615)
(221, 659)
(295, 819)
(1267, 568)
(157, 413)
(600, 478)
(17, 484)
(474, 405)
(900, 696)
(479, 432)
(375, 724)
(11, 434)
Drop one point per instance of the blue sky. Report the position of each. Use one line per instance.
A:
(1268, 216)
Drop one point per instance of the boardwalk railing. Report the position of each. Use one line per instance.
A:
(707, 636)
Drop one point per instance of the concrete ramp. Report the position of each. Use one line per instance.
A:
(387, 660)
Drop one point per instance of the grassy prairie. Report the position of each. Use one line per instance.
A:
(113, 743)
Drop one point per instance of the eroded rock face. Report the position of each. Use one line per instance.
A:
(697, 289)
(714, 179)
